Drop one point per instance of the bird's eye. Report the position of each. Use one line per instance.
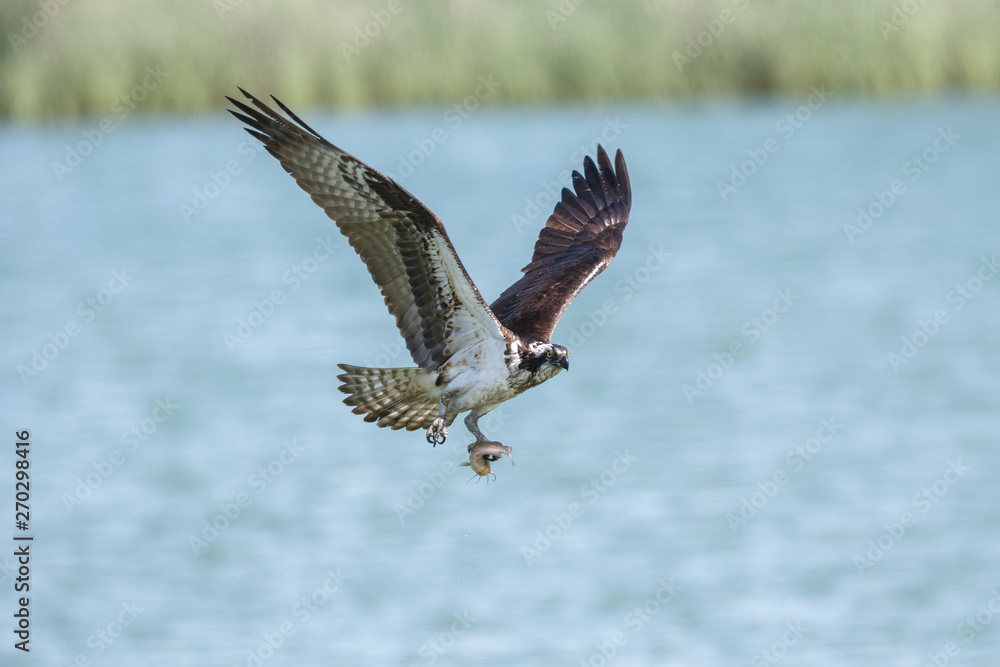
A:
(548, 355)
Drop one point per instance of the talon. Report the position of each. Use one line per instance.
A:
(437, 433)
(482, 454)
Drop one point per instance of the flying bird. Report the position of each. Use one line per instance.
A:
(469, 356)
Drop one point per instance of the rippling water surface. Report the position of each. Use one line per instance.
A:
(778, 441)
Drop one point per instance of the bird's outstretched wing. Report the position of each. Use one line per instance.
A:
(579, 240)
(437, 307)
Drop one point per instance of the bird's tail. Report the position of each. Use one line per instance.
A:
(394, 397)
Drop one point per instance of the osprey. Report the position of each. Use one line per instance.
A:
(470, 356)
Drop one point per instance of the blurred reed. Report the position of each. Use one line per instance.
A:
(65, 57)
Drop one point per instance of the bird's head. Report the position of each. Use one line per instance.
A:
(547, 358)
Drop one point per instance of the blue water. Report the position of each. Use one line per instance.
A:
(747, 464)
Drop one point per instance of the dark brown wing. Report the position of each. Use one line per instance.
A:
(579, 240)
(437, 307)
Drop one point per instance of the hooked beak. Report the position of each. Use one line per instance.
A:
(564, 362)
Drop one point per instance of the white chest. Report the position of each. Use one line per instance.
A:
(483, 378)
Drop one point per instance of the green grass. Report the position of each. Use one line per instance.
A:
(90, 52)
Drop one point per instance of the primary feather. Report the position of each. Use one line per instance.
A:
(579, 240)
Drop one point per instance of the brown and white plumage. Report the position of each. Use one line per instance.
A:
(470, 356)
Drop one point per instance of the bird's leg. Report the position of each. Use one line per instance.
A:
(472, 423)
(438, 432)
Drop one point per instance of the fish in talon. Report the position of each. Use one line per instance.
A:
(482, 454)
